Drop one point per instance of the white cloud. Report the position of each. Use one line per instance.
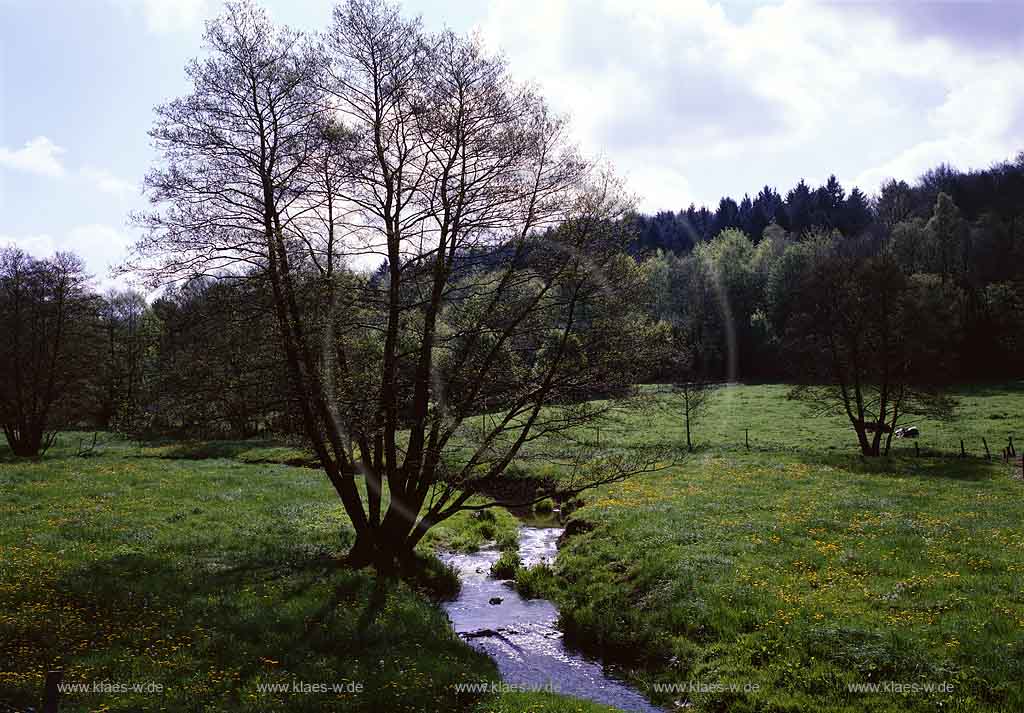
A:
(39, 155)
(106, 182)
(102, 247)
(163, 16)
(41, 245)
(726, 100)
(174, 15)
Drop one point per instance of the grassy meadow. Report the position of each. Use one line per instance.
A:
(794, 566)
(801, 569)
(211, 577)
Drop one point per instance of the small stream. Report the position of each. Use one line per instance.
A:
(522, 635)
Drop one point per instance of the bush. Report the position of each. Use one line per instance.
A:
(545, 506)
(469, 531)
(506, 566)
(484, 515)
(571, 505)
(508, 541)
(432, 577)
(536, 582)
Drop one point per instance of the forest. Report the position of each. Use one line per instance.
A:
(719, 289)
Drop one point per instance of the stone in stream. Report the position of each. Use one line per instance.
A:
(496, 600)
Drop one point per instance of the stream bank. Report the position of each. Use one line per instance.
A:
(522, 635)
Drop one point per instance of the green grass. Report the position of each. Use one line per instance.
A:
(538, 702)
(506, 566)
(801, 568)
(211, 577)
(796, 566)
(778, 426)
(243, 451)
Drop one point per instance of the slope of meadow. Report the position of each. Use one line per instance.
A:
(789, 575)
(213, 579)
(792, 571)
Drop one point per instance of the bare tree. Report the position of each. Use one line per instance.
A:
(48, 322)
(693, 398)
(506, 289)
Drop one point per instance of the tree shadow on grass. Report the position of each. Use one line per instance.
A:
(248, 451)
(210, 636)
(899, 466)
(1004, 388)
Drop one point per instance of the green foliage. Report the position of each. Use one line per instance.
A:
(869, 342)
(243, 451)
(49, 322)
(469, 531)
(538, 702)
(908, 242)
(946, 234)
(1004, 307)
(536, 582)
(433, 578)
(506, 566)
(544, 507)
(508, 540)
(212, 366)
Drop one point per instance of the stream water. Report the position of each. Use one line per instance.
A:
(522, 635)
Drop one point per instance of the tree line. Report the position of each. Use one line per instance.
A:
(731, 295)
(205, 358)
(197, 362)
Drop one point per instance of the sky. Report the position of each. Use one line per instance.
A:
(688, 99)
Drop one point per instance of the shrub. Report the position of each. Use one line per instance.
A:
(536, 582)
(484, 515)
(432, 577)
(506, 566)
(544, 507)
(572, 504)
(508, 541)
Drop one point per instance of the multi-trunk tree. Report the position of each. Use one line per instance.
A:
(49, 349)
(505, 290)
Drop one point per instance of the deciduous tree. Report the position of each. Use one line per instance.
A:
(48, 319)
(871, 344)
(507, 290)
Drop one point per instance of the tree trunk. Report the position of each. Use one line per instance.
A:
(375, 547)
(689, 445)
(25, 443)
(868, 447)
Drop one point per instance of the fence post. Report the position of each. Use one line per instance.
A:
(962, 453)
(917, 449)
(50, 702)
(746, 437)
(988, 456)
